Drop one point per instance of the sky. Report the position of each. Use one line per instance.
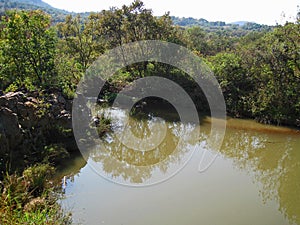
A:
(267, 12)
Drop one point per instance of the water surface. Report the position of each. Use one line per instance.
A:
(254, 180)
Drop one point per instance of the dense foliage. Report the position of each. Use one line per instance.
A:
(27, 49)
(260, 77)
(257, 70)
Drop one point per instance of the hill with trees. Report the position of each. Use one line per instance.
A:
(237, 29)
(58, 15)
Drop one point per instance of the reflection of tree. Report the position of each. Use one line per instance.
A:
(275, 162)
(120, 162)
(273, 159)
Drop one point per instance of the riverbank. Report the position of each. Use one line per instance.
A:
(35, 137)
(36, 140)
(31, 198)
(35, 127)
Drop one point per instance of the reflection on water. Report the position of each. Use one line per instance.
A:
(274, 159)
(142, 151)
(270, 157)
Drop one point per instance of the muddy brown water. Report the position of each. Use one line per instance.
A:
(254, 180)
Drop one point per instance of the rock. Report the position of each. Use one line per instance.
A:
(53, 99)
(11, 99)
(64, 112)
(27, 114)
(61, 99)
(29, 121)
(34, 100)
(9, 128)
(64, 119)
(18, 95)
(69, 104)
(4, 145)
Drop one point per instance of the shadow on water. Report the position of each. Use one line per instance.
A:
(71, 167)
(157, 107)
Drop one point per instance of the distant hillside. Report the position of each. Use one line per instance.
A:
(58, 15)
(35, 2)
(183, 21)
(240, 23)
(240, 28)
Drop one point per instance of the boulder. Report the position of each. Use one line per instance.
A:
(11, 99)
(11, 134)
(29, 120)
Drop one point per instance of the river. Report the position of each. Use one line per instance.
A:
(255, 178)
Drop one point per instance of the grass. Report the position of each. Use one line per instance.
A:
(30, 198)
(51, 215)
(103, 124)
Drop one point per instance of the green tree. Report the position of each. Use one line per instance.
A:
(233, 79)
(78, 39)
(196, 40)
(27, 49)
(133, 23)
(79, 45)
(278, 73)
(260, 78)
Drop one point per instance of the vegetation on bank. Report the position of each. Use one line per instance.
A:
(33, 141)
(30, 198)
(258, 72)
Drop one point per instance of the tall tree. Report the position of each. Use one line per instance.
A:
(28, 48)
(77, 37)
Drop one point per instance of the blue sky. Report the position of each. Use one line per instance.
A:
(260, 11)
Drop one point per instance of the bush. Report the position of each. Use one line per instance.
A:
(103, 124)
